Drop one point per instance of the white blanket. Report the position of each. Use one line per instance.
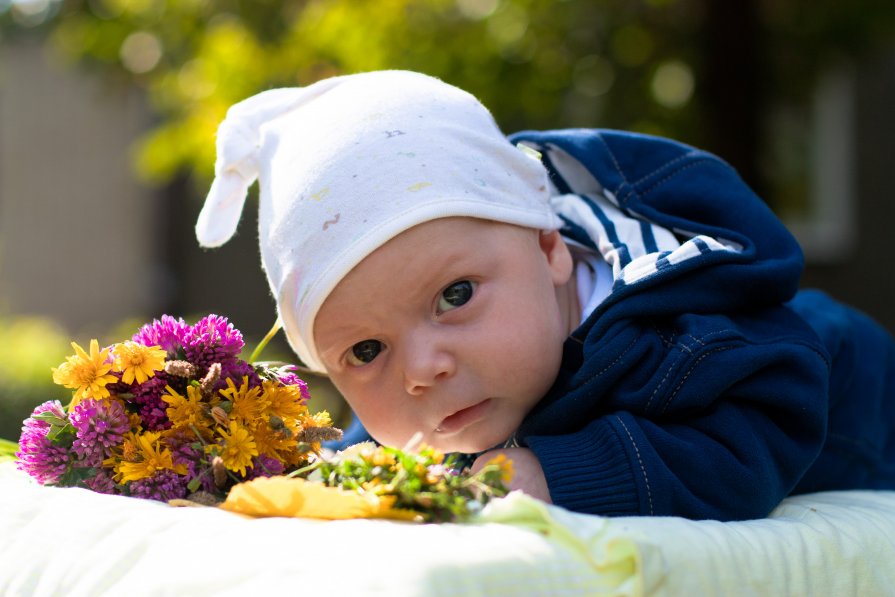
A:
(74, 542)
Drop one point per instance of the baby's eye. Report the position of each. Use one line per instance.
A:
(455, 295)
(363, 352)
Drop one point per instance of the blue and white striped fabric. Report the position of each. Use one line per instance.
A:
(633, 246)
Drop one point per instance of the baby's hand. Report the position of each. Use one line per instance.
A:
(528, 476)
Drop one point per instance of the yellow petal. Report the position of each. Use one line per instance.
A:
(127, 376)
(79, 352)
(297, 498)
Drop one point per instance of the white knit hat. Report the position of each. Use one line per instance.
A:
(348, 163)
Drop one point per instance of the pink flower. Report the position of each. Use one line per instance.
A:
(99, 425)
(212, 340)
(167, 332)
(37, 455)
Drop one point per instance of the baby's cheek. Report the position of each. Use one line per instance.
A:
(379, 419)
(389, 434)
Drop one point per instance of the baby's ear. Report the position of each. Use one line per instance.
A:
(559, 259)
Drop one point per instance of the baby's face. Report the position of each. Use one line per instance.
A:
(454, 329)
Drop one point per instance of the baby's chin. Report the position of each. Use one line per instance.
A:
(460, 444)
(468, 445)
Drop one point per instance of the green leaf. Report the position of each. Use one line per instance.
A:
(194, 484)
(61, 434)
(51, 418)
(76, 476)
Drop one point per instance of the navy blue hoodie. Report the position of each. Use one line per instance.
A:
(705, 385)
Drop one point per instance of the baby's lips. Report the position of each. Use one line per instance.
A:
(464, 417)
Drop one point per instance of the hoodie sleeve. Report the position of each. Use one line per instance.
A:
(730, 422)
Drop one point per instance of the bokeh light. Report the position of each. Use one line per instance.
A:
(31, 13)
(672, 84)
(477, 10)
(141, 52)
(508, 25)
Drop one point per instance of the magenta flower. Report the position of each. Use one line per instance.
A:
(196, 463)
(212, 340)
(163, 485)
(37, 454)
(264, 466)
(148, 396)
(237, 369)
(167, 332)
(288, 377)
(99, 425)
(102, 482)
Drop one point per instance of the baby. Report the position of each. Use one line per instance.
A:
(615, 312)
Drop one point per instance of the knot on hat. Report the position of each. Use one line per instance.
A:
(236, 168)
(238, 144)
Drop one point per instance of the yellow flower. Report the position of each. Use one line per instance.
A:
(437, 456)
(319, 419)
(283, 401)
(186, 410)
(87, 374)
(380, 457)
(149, 457)
(247, 403)
(136, 361)
(135, 421)
(283, 496)
(126, 450)
(237, 448)
(505, 465)
(276, 443)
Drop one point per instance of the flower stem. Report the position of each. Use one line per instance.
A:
(273, 332)
(305, 469)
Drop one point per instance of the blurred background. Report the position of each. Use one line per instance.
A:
(108, 110)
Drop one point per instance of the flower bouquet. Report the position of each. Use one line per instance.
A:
(176, 414)
(368, 481)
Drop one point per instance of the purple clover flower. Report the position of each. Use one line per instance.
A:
(148, 397)
(102, 482)
(193, 459)
(167, 332)
(236, 370)
(212, 340)
(117, 387)
(37, 455)
(264, 466)
(289, 378)
(163, 485)
(99, 425)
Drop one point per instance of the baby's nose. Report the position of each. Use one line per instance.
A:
(426, 364)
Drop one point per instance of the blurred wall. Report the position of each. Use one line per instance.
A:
(864, 275)
(79, 238)
(227, 280)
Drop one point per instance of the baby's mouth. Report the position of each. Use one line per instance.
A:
(464, 417)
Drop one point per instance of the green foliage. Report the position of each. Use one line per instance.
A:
(29, 348)
(634, 64)
(8, 449)
(438, 489)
